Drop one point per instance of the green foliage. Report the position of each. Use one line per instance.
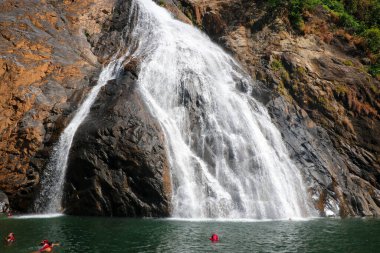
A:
(375, 89)
(372, 37)
(295, 13)
(161, 2)
(300, 71)
(282, 90)
(325, 104)
(367, 11)
(297, 7)
(375, 70)
(350, 23)
(274, 3)
(311, 4)
(360, 17)
(276, 65)
(354, 15)
(348, 63)
(285, 75)
(341, 89)
(322, 100)
(333, 5)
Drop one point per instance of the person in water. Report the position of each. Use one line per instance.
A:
(214, 238)
(47, 246)
(10, 238)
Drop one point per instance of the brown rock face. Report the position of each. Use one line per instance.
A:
(45, 69)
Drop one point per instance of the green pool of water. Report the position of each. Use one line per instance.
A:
(104, 235)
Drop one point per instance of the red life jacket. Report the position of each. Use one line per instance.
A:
(45, 247)
(214, 238)
(11, 238)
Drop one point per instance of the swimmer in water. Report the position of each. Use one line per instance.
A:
(10, 238)
(214, 238)
(47, 246)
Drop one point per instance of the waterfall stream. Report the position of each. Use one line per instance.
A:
(50, 196)
(227, 158)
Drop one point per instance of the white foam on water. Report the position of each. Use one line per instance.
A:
(222, 220)
(38, 216)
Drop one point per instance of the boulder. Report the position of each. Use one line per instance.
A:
(118, 164)
(4, 202)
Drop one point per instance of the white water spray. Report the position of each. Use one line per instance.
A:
(50, 197)
(227, 158)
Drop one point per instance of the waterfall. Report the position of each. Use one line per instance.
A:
(227, 158)
(52, 181)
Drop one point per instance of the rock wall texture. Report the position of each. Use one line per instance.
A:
(46, 66)
(53, 52)
(118, 164)
(317, 91)
(314, 85)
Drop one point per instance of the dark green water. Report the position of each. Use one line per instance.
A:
(78, 234)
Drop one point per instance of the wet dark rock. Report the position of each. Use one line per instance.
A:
(118, 164)
(325, 170)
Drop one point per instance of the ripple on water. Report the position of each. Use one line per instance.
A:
(85, 234)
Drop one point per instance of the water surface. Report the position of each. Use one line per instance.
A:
(88, 234)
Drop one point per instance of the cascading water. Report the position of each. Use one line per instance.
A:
(227, 159)
(50, 197)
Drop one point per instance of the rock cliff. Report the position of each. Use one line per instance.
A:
(46, 67)
(314, 85)
(318, 93)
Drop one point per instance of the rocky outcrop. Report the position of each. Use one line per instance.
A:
(4, 202)
(118, 164)
(317, 91)
(53, 51)
(46, 67)
(331, 185)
